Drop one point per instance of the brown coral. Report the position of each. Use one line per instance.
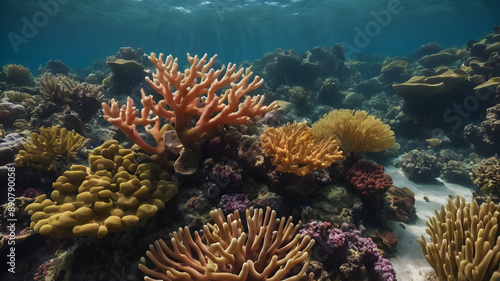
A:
(293, 148)
(487, 176)
(228, 251)
(355, 130)
(17, 74)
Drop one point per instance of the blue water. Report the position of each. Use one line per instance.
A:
(78, 32)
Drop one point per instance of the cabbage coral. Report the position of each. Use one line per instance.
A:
(266, 249)
(465, 241)
(355, 130)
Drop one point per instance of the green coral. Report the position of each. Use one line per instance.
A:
(111, 195)
(50, 150)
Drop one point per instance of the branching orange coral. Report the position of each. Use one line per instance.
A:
(355, 130)
(294, 148)
(225, 251)
(195, 98)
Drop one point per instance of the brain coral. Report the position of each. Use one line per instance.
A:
(294, 149)
(111, 195)
(356, 130)
(265, 249)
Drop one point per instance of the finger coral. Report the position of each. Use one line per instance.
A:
(294, 148)
(465, 241)
(266, 249)
(195, 98)
(355, 130)
(51, 150)
(487, 176)
(111, 195)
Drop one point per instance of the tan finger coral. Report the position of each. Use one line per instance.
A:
(266, 249)
(293, 148)
(465, 241)
(111, 195)
(52, 149)
(355, 130)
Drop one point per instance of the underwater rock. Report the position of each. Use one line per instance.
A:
(486, 138)
(300, 98)
(54, 67)
(420, 166)
(329, 92)
(457, 172)
(428, 49)
(487, 176)
(9, 112)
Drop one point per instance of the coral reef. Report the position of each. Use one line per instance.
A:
(442, 84)
(83, 98)
(226, 251)
(486, 138)
(54, 67)
(238, 202)
(368, 178)
(111, 195)
(420, 166)
(346, 249)
(355, 130)
(293, 148)
(51, 150)
(195, 97)
(465, 241)
(487, 176)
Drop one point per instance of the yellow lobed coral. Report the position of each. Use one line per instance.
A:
(52, 149)
(111, 195)
(294, 148)
(355, 130)
(465, 241)
(487, 176)
(229, 251)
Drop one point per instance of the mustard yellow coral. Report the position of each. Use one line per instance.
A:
(266, 249)
(465, 241)
(293, 148)
(52, 149)
(355, 130)
(111, 195)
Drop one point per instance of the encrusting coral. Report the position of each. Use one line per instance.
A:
(355, 130)
(465, 241)
(229, 251)
(487, 176)
(294, 148)
(195, 97)
(111, 195)
(52, 149)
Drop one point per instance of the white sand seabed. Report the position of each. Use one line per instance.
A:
(410, 264)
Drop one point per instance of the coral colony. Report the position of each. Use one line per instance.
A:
(208, 180)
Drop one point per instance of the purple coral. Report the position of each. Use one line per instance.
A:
(237, 202)
(333, 240)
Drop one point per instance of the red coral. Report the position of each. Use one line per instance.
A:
(43, 270)
(368, 178)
